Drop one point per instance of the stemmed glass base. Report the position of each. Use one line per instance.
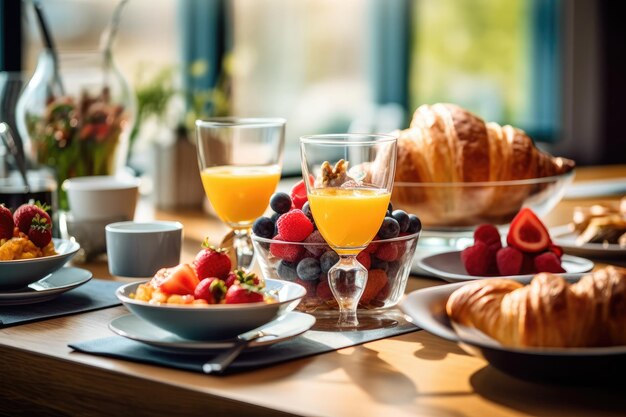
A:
(239, 243)
(347, 280)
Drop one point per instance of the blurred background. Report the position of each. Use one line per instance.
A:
(554, 68)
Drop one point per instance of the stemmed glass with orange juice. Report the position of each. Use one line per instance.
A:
(349, 178)
(240, 163)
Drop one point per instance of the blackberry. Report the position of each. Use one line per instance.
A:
(389, 229)
(287, 271)
(328, 260)
(402, 218)
(280, 202)
(415, 225)
(308, 269)
(264, 227)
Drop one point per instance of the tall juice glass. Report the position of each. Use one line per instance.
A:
(349, 178)
(240, 163)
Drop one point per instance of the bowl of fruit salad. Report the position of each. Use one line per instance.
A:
(206, 300)
(289, 248)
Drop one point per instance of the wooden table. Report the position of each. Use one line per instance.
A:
(413, 374)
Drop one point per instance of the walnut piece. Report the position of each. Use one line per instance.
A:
(332, 176)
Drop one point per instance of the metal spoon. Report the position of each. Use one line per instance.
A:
(221, 361)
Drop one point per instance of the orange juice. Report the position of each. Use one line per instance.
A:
(348, 217)
(240, 194)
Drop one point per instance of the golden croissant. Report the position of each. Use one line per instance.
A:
(447, 144)
(549, 312)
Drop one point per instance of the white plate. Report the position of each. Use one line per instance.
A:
(566, 238)
(47, 288)
(21, 272)
(132, 327)
(448, 266)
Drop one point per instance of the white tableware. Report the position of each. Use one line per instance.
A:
(566, 238)
(47, 288)
(132, 327)
(214, 322)
(102, 197)
(448, 266)
(426, 309)
(21, 272)
(140, 249)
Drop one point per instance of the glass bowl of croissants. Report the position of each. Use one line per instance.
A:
(457, 171)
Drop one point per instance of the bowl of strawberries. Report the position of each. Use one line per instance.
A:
(207, 299)
(289, 248)
(27, 250)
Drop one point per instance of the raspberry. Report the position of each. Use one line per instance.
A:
(548, 262)
(373, 245)
(557, 250)
(509, 261)
(489, 235)
(294, 226)
(286, 251)
(376, 280)
(387, 252)
(477, 259)
(364, 259)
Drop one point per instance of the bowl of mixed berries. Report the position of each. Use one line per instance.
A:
(290, 248)
(207, 299)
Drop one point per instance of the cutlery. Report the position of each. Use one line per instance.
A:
(220, 362)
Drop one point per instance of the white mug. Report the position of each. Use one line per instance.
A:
(102, 197)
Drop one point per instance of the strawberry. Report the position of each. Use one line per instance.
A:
(230, 279)
(243, 293)
(298, 193)
(376, 281)
(180, 279)
(489, 235)
(40, 232)
(244, 277)
(364, 259)
(373, 245)
(286, 251)
(387, 252)
(477, 259)
(212, 262)
(527, 233)
(25, 213)
(6, 223)
(294, 226)
(509, 261)
(212, 290)
(548, 262)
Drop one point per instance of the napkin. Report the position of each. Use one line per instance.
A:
(94, 295)
(313, 342)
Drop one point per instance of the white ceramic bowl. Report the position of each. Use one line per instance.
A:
(21, 272)
(214, 322)
(102, 197)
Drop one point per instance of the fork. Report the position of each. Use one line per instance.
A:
(220, 362)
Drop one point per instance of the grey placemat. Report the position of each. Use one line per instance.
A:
(310, 343)
(94, 295)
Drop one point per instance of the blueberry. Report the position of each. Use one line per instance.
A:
(389, 229)
(415, 225)
(280, 202)
(328, 260)
(379, 264)
(402, 218)
(306, 209)
(287, 271)
(275, 217)
(264, 227)
(309, 269)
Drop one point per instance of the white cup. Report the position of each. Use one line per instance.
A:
(102, 197)
(136, 249)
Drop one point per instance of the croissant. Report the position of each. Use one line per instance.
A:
(548, 312)
(447, 144)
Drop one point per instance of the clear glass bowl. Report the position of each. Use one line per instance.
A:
(463, 205)
(319, 299)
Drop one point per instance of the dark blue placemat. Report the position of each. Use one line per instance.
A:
(94, 295)
(310, 343)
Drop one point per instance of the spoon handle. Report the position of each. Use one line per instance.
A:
(221, 361)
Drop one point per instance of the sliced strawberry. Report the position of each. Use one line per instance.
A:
(527, 233)
(477, 259)
(509, 261)
(298, 193)
(180, 279)
(548, 262)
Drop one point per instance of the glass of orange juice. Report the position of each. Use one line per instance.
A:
(349, 178)
(240, 164)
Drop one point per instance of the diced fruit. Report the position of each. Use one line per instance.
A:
(298, 194)
(527, 233)
(402, 218)
(509, 261)
(40, 231)
(376, 280)
(242, 293)
(364, 259)
(389, 229)
(286, 251)
(264, 227)
(488, 234)
(212, 290)
(24, 215)
(212, 262)
(548, 262)
(328, 260)
(280, 202)
(309, 269)
(477, 259)
(7, 224)
(415, 225)
(294, 226)
(181, 280)
(387, 252)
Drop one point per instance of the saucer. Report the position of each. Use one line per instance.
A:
(132, 327)
(47, 288)
(448, 266)
(566, 238)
